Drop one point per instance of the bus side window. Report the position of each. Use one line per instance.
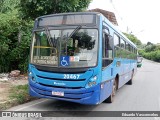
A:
(107, 50)
(117, 50)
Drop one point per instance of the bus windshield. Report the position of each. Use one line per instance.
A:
(65, 47)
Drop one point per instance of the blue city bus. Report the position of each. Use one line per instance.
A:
(79, 57)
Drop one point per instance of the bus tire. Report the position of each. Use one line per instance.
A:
(114, 89)
(130, 82)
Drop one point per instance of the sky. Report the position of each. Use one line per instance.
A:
(141, 17)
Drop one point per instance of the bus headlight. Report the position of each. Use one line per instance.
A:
(30, 73)
(94, 78)
(93, 81)
(31, 76)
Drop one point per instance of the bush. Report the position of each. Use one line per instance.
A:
(153, 55)
(14, 54)
(157, 57)
(8, 29)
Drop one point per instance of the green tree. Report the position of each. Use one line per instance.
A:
(31, 9)
(8, 30)
(14, 54)
(158, 47)
(149, 43)
(16, 23)
(150, 48)
(151, 52)
(8, 5)
(133, 38)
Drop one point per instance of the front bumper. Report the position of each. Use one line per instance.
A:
(78, 95)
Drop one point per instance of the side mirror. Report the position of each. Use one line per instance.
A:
(139, 61)
(139, 65)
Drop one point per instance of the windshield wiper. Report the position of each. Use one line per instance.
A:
(48, 36)
(50, 39)
(74, 31)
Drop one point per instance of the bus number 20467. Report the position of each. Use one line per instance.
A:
(71, 76)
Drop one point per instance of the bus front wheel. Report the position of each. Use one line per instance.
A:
(114, 89)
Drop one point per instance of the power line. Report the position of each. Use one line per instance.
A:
(120, 17)
(116, 10)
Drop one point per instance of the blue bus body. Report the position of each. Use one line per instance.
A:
(93, 84)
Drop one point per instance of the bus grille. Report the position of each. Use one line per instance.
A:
(61, 79)
(53, 86)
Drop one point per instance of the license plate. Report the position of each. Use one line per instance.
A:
(57, 93)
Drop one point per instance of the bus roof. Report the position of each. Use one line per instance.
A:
(69, 13)
(116, 29)
(91, 13)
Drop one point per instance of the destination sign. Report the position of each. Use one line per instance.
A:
(66, 20)
(45, 60)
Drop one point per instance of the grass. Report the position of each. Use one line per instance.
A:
(18, 95)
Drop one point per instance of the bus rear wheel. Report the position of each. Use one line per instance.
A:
(130, 82)
(114, 89)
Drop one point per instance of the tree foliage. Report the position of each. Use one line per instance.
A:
(31, 9)
(8, 5)
(151, 52)
(150, 48)
(133, 38)
(16, 23)
(14, 53)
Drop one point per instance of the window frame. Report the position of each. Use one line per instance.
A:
(104, 57)
(123, 42)
(118, 45)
